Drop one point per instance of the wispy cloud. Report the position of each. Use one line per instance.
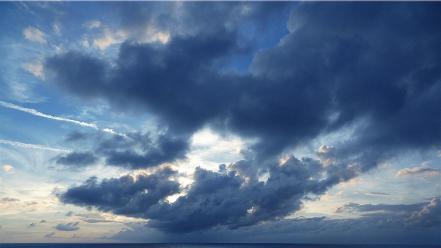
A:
(420, 170)
(57, 118)
(32, 146)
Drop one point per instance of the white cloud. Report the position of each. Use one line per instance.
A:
(35, 69)
(56, 28)
(34, 34)
(22, 92)
(109, 38)
(85, 42)
(152, 35)
(92, 24)
(7, 168)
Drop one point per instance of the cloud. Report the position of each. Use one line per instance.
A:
(429, 215)
(377, 194)
(391, 226)
(8, 200)
(68, 227)
(142, 150)
(268, 104)
(56, 28)
(35, 35)
(419, 170)
(126, 195)
(76, 136)
(92, 24)
(109, 38)
(7, 168)
(232, 198)
(335, 69)
(369, 208)
(50, 235)
(35, 69)
(425, 214)
(78, 159)
(32, 146)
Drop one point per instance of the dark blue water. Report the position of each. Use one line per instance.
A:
(208, 246)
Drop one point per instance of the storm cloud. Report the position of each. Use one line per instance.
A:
(392, 223)
(232, 197)
(373, 67)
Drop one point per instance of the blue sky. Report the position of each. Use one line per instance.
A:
(218, 122)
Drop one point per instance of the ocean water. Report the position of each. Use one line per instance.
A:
(208, 246)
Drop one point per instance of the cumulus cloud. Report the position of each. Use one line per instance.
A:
(231, 198)
(35, 35)
(336, 68)
(68, 227)
(134, 150)
(126, 195)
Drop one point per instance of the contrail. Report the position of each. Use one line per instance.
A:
(33, 146)
(57, 118)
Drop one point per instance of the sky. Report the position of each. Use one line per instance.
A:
(302, 122)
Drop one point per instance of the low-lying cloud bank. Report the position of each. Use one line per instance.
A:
(396, 224)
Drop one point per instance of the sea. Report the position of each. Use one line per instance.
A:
(266, 245)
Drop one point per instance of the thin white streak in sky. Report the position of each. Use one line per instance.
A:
(57, 118)
(33, 146)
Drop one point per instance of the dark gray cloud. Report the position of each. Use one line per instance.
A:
(231, 197)
(8, 200)
(67, 227)
(425, 214)
(77, 159)
(137, 150)
(369, 208)
(321, 77)
(388, 226)
(75, 136)
(371, 66)
(429, 215)
(126, 195)
(133, 150)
